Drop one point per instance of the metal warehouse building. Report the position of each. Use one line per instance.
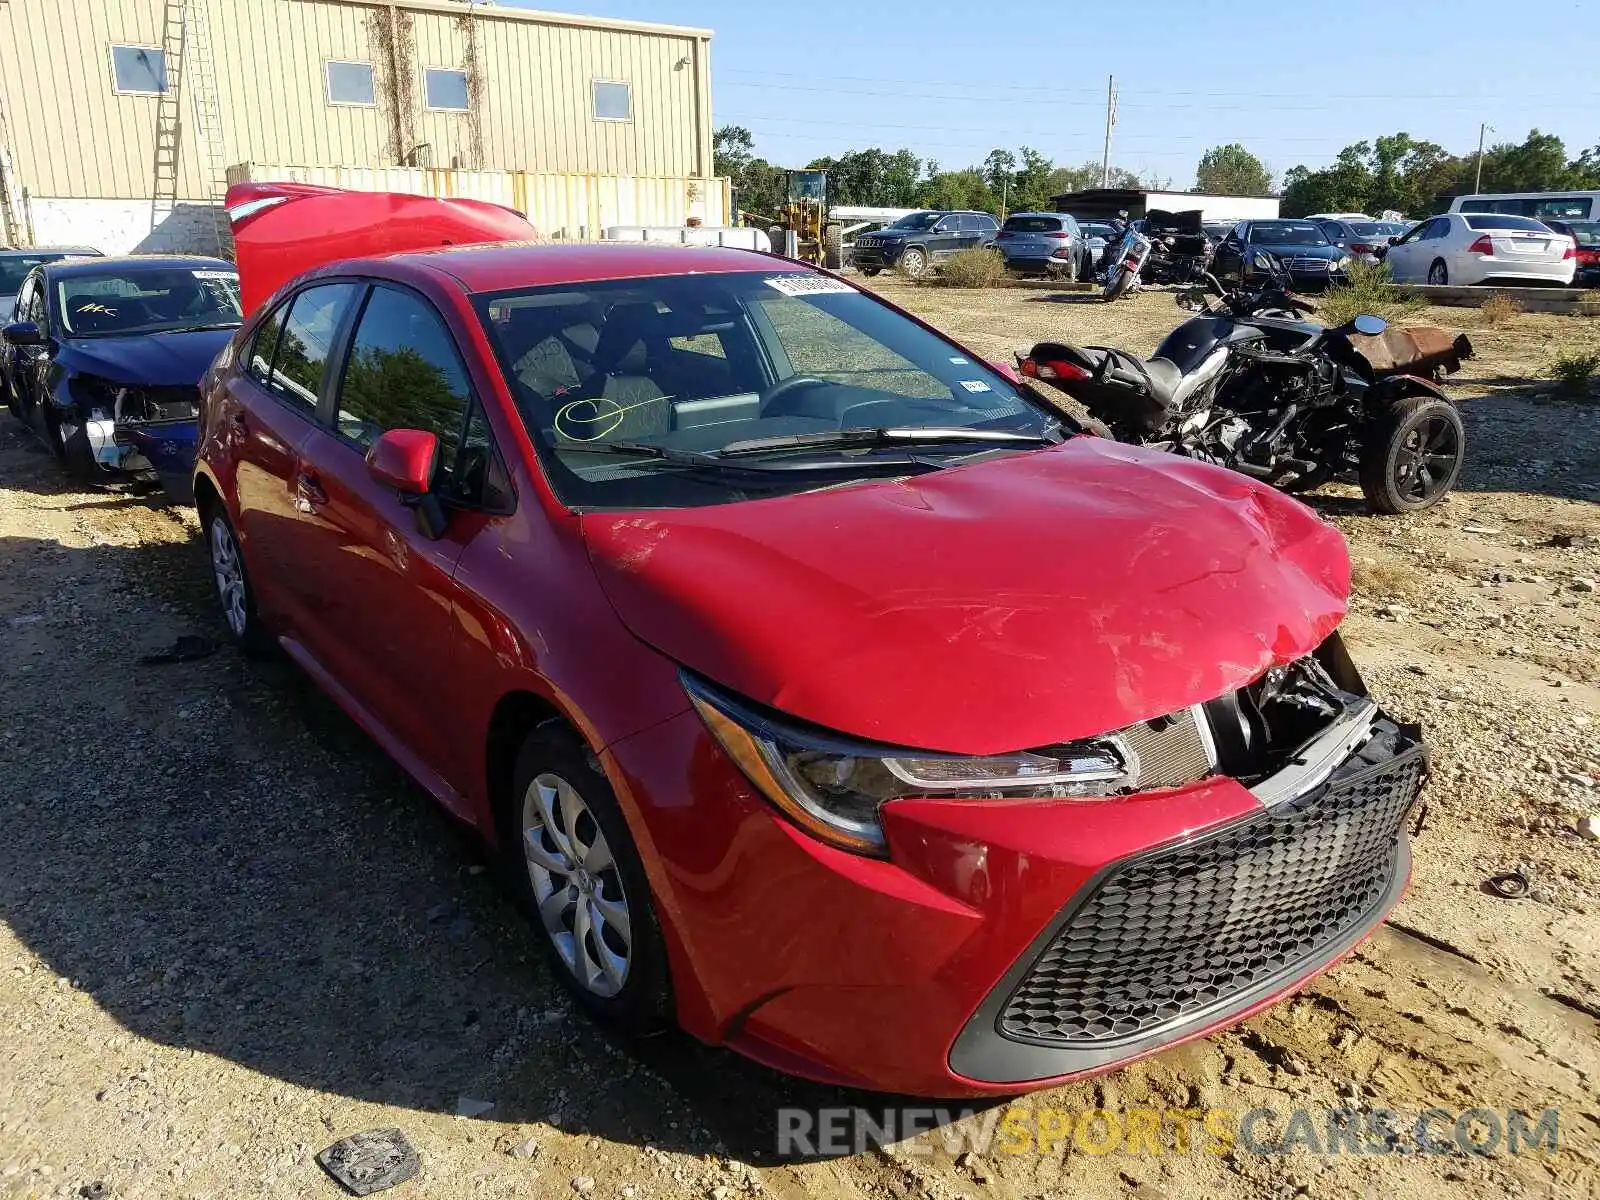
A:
(124, 120)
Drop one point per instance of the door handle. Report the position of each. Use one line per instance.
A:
(308, 492)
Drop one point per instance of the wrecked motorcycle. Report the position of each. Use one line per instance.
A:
(1124, 262)
(1248, 384)
(1180, 252)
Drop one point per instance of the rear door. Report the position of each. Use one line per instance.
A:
(385, 589)
(984, 227)
(268, 410)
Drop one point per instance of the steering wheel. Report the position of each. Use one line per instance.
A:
(793, 383)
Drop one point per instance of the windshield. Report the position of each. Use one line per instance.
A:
(1587, 233)
(920, 220)
(1368, 229)
(133, 300)
(1032, 225)
(1287, 233)
(689, 365)
(14, 269)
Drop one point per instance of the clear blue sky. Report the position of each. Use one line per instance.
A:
(1294, 82)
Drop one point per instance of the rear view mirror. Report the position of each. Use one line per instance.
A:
(1369, 325)
(404, 459)
(22, 333)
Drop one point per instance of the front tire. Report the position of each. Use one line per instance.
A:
(1120, 286)
(869, 272)
(1438, 273)
(576, 872)
(1411, 454)
(914, 263)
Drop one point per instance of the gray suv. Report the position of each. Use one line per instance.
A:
(920, 240)
(1044, 244)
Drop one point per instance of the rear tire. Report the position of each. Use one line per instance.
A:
(1438, 273)
(1411, 454)
(234, 594)
(914, 262)
(833, 247)
(567, 850)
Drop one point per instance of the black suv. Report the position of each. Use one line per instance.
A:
(918, 240)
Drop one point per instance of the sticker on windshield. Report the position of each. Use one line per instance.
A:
(958, 361)
(230, 275)
(807, 285)
(975, 385)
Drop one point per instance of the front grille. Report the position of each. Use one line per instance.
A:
(1166, 936)
(1172, 750)
(177, 403)
(1310, 266)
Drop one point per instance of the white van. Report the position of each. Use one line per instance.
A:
(1541, 206)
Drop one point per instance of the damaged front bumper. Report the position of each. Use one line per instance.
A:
(1012, 943)
(135, 431)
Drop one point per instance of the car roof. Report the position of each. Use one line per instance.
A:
(69, 268)
(1041, 213)
(502, 265)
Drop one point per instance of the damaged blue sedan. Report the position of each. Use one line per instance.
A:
(104, 359)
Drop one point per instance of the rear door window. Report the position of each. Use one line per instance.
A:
(303, 343)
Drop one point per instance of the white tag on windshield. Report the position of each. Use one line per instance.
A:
(976, 385)
(799, 284)
(229, 275)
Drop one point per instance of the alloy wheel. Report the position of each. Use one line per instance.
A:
(914, 263)
(576, 885)
(1426, 460)
(229, 572)
(1438, 274)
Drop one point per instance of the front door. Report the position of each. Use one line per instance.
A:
(1403, 256)
(269, 411)
(27, 366)
(384, 588)
(946, 237)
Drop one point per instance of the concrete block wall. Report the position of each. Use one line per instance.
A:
(125, 226)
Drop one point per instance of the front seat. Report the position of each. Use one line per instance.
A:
(620, 401)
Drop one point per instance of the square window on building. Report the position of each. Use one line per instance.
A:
(446, 89)
(351, 83)
(138, 70)
(612, 101)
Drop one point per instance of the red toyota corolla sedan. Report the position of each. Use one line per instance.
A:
(821, 689)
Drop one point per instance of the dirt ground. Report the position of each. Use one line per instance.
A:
(231, 931)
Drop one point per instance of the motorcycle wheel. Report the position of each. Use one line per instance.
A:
(1120, 285)
(1411, 454)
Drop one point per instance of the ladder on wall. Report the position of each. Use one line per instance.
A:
(186, 46)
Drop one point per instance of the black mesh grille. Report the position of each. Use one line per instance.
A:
(1173, 933)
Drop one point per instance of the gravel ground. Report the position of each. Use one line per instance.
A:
(231, 931)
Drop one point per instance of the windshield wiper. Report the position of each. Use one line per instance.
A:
(867, 439)
(714, 460)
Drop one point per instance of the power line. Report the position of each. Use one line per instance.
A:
(1320, 95)
(1014, 133)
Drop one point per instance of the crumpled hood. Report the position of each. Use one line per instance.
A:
(1010, 604)
(151, 359)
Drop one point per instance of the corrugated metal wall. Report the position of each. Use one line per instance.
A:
(571, 204)
(530, 80)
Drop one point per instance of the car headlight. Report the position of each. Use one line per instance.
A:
(1343, 264)
(833, 786)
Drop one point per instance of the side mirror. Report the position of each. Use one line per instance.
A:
(1368, 325)
(22, 333)
(404, 460)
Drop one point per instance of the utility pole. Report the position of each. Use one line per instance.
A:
(1477, 181)
(1111, 119)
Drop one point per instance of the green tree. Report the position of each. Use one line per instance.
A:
(957, 189)
(1232, 170)
(997, 170)
(1030, 186)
